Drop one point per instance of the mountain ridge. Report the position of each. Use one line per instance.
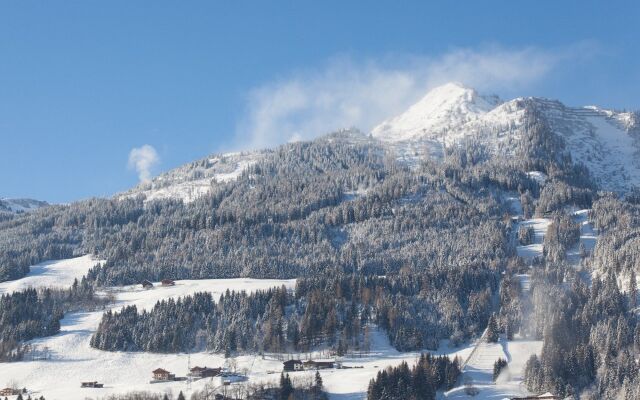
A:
(450, 116)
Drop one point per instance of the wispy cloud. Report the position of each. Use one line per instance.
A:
(346, 93)
(143, 159)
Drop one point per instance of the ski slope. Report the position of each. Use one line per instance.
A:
(59, 274)
(479, 369)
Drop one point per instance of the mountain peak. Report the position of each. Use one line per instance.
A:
(451, 103)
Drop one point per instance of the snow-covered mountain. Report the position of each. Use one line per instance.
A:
(21, 205)
(195, 179)
(606, 141)
(443, 108)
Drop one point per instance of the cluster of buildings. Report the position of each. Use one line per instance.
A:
(298, 365)
(162, 375)
(159, 375)
(12, 391)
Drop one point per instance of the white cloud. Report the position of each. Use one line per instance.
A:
(350, 94)
(143, 159)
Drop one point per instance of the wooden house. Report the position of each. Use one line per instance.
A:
(293, 365)
(147, 284)
(204, 372)
(168, 282)
(160, 374)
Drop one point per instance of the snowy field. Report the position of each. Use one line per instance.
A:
(59, 274)
(72, 360)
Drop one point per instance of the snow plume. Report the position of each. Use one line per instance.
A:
(347, 94)
(143, 159)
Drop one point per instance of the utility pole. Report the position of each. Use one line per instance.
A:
(189, 373)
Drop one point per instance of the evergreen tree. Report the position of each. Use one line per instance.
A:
(498, 367)
(493, 333)
(286, 388)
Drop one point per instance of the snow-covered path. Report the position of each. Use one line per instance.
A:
(539, 225)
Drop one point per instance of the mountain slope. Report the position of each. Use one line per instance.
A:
(195, 179)
(605, 141)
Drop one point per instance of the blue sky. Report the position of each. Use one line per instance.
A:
(82, 83)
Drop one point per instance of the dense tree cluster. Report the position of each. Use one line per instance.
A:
(24, 316)
(590, 336)
(562, 233)
(618, 246)
(420, 382)
(27, 314)
(416, 312)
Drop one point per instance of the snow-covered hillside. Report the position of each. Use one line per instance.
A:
(447, 116)
(64, 360)
(195, 179)
(58, 274)
(21, 205)
(69, 359)
(606, 141)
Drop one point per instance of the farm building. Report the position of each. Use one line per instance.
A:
(160, 374)
(147, 284)
(319, 364)
(293, 365)
(168, 282)
(204, 372)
